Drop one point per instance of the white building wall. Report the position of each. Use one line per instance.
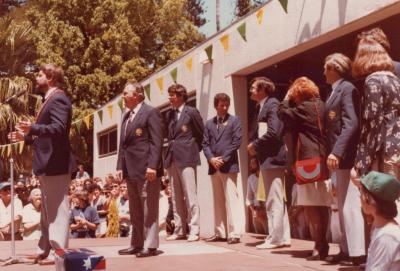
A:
(307, 24)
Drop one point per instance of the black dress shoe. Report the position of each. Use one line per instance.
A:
(215, 238)
(317, 255)
(359, 260)
(232, 241)
(147, 253)
(129, 250)
(335, 259)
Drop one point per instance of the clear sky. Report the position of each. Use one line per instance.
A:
(227, 8)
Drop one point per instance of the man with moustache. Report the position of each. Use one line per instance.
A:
(139, 162)
(52, 159)
(222, 139)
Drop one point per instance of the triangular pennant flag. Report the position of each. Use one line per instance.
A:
(8, 150)
(225, 43)
(284, 4)
(78, 125)
(160, 83)
(3, 148)
(100, 114)
(121, 105)
(260, 15)
(189, 64)
(242, 30)
(110, 110)
(87, 120)
(261, 189)
(147, 90)
(209, 50)
(21, 146)
(174, 74)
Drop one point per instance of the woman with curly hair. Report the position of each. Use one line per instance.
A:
(302, 113)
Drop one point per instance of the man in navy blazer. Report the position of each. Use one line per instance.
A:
(185, 136)
(52, 158)
(342, 130)
(271, 154)
(139, 162)
(222, 139)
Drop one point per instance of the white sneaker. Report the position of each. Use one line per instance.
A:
(174, 237)
(193, 238)
(268, 245)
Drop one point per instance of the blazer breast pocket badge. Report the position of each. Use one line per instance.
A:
(138, 132)
(184, 128)
(332, 115)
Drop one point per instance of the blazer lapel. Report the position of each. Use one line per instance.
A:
(123, 125)
(132, 125)
(335, 95)
(222, 126)
(214, 127)
(181, 120)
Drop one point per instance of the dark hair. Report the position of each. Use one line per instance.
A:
(386, 209)
(93, 187)
(138, 88)
(221, 97)
(53, 72)
(265, 84)
(179, 90)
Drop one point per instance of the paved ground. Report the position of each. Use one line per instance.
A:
(181, 255)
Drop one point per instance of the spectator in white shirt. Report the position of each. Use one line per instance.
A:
(5, 213)
(82, 174)
(379, 192)
(31, 216)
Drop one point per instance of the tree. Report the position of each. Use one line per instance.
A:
(218, 14)
(245, 6)
(194, 10)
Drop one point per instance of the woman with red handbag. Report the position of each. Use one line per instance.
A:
(301, 113)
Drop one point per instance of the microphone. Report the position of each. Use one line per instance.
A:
(16, 95)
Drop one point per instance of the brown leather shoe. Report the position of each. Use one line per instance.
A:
(215, 238)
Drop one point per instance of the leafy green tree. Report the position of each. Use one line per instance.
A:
(245, 6)
(195, 10)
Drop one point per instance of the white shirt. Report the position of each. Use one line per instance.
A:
(384, 249)
(180, 108)
(136, 110)
(5, 212)
(51, 90)
(30, 216)
(262, 102)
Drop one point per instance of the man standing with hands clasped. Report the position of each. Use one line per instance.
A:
(139, 162)
(52, 159)
(222, 139)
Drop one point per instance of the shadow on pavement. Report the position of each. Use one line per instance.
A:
(294, 253)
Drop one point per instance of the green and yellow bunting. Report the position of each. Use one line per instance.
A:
(3, 148)
(15, 147)
(121, 105)
(8, 150)
(87, 120)
(242, 30)
(261, 189)
(78, 125)
(174, 74)
(160, 83)
(110, 110)
(147, 90)
(189, 64)
(260, 15)
(209, 51)
(21, 146)
(225, 43)
(100, 114)
(284, 4)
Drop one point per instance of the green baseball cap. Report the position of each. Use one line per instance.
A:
(383, 186)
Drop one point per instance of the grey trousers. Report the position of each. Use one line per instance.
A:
(55, 212)
(143, 210)
(184, 199)
(278, 219)
(350, 214)
(226, 205)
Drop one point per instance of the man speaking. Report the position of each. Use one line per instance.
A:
(139, 162)
(52, 159)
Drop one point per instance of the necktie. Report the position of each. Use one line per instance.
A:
(175, 118)
(129, 120)
(220, 121)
